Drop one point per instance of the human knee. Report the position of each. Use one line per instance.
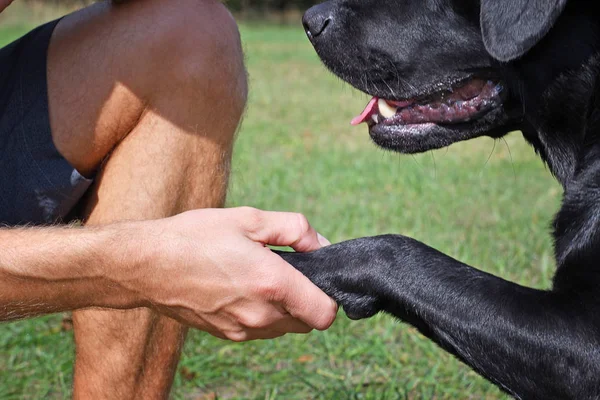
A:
(205, 51)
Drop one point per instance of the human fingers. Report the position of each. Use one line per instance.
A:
(305, 301)
(281, 229)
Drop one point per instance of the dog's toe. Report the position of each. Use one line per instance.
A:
(359, 306)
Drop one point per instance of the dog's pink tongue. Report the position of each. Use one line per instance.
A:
(366, 114)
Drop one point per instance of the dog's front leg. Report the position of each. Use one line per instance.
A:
(529, 342)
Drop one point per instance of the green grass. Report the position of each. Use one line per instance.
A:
(486, 203)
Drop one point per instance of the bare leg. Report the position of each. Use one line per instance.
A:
(150, 94)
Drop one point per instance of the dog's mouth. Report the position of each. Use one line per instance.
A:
(461, 103)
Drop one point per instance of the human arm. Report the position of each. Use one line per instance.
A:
(207, 268)
(47, 270)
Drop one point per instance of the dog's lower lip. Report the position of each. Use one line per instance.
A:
(466, 102)
(420, 128)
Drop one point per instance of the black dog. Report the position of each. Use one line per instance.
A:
(451, 70)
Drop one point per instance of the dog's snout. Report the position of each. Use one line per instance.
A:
(317, 19)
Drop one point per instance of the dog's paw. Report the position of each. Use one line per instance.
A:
(342, 278)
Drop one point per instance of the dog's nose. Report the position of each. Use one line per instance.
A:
(317, 19)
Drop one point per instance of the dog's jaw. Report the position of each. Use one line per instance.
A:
(418, 138)
(434, 120)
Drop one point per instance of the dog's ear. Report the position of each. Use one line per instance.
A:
(511, 27)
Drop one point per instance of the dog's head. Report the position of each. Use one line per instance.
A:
(432, 66)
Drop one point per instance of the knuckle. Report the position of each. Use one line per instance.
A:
(303, 224)
(252, 218)
(247, 210)
(237, 336)
(254, 320)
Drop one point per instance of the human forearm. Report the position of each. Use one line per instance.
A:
(208, 268)
(46, 270)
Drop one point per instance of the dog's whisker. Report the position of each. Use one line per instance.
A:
(390, 88)
(512, 164)
(490, 155)
(400, 80)
(434, 164)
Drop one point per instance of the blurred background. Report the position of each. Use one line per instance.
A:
(487, 203)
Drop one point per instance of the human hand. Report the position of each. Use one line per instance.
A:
(211, 269)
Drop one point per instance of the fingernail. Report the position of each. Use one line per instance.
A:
(324, 242)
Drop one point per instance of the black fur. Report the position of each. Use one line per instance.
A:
(534, 344)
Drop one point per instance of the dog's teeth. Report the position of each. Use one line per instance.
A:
(385, 109)
(375, 118)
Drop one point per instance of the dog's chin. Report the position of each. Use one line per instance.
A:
(421, 137)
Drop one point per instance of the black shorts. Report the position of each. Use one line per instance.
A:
(37, 185)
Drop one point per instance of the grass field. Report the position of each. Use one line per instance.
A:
(486, 203)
